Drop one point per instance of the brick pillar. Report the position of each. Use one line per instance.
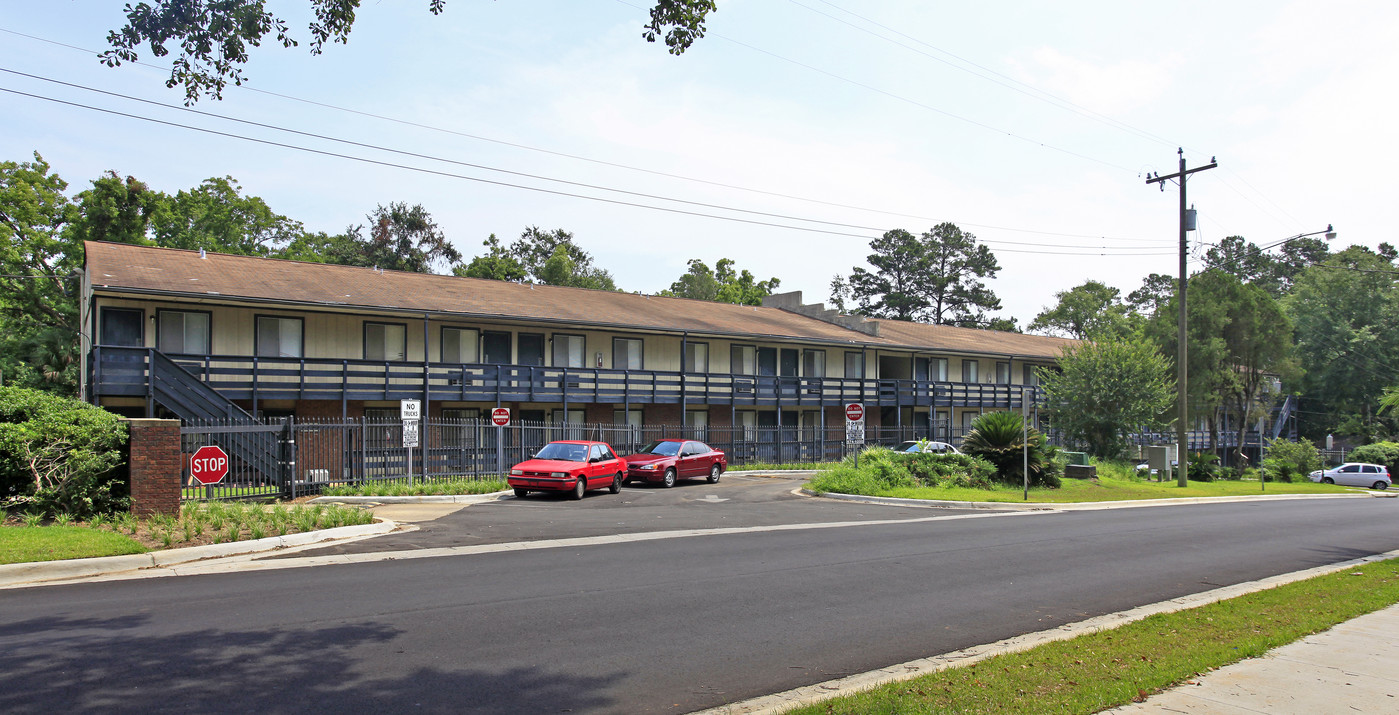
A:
(156, 466)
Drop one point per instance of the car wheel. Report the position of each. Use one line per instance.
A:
(579, 487)
(669, 479)
(616, 487)
(1327, 480)
(714, 474)
(521, 492)
(1380, 485)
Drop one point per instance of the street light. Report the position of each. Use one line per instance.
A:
(1330, 235)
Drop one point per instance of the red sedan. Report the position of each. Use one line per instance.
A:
(666, 460)
(571, 466)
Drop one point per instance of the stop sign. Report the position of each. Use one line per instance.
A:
(854, 412)
(500, 416)
(209, 465)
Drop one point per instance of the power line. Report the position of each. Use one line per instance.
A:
(602, 162)
(494, 182)
(523, 174)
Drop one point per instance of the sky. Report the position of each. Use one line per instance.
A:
(786, 139)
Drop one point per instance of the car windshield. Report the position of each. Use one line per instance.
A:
(907, 447)
(564, 452)
(663, 448)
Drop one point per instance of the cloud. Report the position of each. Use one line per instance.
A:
(1106, 87)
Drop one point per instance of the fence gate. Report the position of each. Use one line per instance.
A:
(261, 458)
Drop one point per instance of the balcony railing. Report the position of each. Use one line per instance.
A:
(123, 371)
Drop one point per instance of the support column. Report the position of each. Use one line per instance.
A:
(155, 466)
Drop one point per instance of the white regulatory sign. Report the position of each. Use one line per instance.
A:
(855, 431)
(410, 409)
(410, 433)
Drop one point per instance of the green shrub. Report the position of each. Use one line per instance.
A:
(1287, 461)
(1386, 453)
(59, 454)
(1000, 438)
(1202, 467)
(950, 469)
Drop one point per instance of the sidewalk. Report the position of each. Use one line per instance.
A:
(1353, 667)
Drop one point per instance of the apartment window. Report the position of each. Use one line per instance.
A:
(123, 327)
(496, 347)
(1003, 373)
(697, 357)
(631, 418)
(460, 345)
(1031, 376)
(969, 371)
(747, 420)
(626, 354)
(568, 350)
(814, 363)
(459, 428)
(743, 360)
(854, 364)
(571, 422)
(385, 341)
(967, 419)
(279, 337)
(697, 424)
(531, 349)
(939, 369)
(382, 428)
(183, 332)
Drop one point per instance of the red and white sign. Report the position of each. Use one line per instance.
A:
(500, 416)
(209, 465)
(854, 412)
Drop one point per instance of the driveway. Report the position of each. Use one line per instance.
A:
(736, 501)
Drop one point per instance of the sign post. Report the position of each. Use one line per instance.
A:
(855, 428)
(500, 417)
(410, 412)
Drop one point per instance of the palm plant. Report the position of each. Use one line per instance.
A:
(1000, 438)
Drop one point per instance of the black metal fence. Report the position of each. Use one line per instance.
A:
(288, 458)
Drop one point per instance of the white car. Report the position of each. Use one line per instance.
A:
(1355, 474)
(932, 447)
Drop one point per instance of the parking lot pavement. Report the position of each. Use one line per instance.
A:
(736, 501)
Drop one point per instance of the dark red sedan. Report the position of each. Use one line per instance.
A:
(666, 460)
(571, 466)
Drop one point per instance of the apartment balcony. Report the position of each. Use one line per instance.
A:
(123, 371)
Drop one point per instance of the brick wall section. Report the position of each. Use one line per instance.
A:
(661, 414)
(156, 466)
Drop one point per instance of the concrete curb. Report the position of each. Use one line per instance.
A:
(44, 571)
(435, 498)
(1081, 506)
(808, 695)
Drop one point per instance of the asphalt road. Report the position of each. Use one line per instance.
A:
(669, 625)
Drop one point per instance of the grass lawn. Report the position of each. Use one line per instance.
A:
(1110, 668)
(1115, 489)
(24, 544)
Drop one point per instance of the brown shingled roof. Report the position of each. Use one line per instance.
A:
(945, 337)
(114, 267)
(118, 268)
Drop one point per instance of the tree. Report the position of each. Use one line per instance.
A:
(1092, 309)
(1106, 390)
(723, 285)
(1156, 291)
(932, 278)
(400, 238)
(39, 266)
(1346, 318)
(116, 210)
(571, 265)
(216, 216)
(1005, 325)
(497, 264)
(213, 36)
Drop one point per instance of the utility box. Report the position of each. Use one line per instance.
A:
(1078, 458)
(1081, 471)
(1159, 458)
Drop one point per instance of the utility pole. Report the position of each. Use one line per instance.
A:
(1182, 416)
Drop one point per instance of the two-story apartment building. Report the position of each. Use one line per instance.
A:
(202, 335)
